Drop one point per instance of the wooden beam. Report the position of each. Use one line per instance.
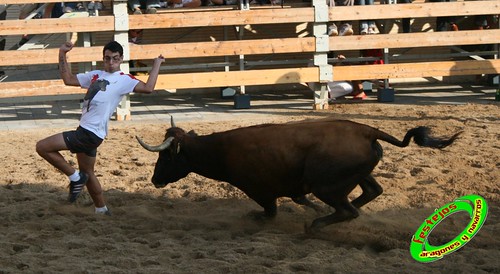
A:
(412, 70)
(174, 50)
(37, 88)
(302, 75)
(410, 40)
(221, 18)
(204, 18)
(57, 25)
(296, 15)
(223, 48)
(423, 10)
(271, 76)
(236, 78)
(48, 56)
(248, 47)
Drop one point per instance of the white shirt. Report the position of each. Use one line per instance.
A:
(105, 91)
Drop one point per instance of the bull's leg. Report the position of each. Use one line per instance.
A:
(371, 190)
(344, 211)
(302, 200)
(270, 209)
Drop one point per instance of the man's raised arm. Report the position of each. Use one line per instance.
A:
(149, 86)
(66, 75)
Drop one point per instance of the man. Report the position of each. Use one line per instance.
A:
(149, 5)
(105, 90)
(445, 23)
(345, 28)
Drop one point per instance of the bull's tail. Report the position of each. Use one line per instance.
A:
(421, 137)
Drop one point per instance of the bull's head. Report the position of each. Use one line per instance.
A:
(171, 164)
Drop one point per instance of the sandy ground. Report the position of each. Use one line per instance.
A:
(198, 225)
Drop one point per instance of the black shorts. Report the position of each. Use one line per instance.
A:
(82, 141)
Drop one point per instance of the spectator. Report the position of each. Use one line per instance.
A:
(73, 7)
(366, 27)
(27, 9)
(405, 22)
(339, 89)
(481, 22)
(218, 2)
(151, 6)
(183, 3)
(345, 26)
(95, 6)
(135, 37)
(447, 22)
(105, 90)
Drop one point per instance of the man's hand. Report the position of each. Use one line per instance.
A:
(158, 60)
(66, 47)
(149, 86)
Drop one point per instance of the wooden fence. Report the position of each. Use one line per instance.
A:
(316, 45)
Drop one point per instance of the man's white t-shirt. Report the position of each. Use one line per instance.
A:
(104, 93)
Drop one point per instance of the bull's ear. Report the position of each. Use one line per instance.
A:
(192, 133)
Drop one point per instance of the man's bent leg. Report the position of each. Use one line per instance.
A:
(49, 148)
(86, 164)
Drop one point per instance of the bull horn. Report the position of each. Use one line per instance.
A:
(157, 148)
(172, 124)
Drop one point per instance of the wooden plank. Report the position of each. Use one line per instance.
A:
(271, 76)
(411, 70)
(415, 10)
(48, 56)
(302, 75)
(249, 47)
(205, 18)
(410, 40)
(223, 48)
(37, 88)
(170, 81)
(175, 50)
(221, 18)
(425, 10)
(57, 25)
(236, 78)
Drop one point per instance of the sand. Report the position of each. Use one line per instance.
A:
(198, 225)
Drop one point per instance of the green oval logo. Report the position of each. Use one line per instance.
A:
(477, 208)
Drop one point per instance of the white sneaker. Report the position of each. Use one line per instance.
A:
(332, 30)
(363, 28)
(345, 30)
(68, 10)
(372, 29)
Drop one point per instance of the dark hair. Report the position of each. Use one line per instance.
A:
(113, 46)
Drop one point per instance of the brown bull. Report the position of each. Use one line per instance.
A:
(328, 158)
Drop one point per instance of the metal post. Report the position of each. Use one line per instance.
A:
(244, 5)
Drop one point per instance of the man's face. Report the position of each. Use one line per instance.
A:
(112, 61)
